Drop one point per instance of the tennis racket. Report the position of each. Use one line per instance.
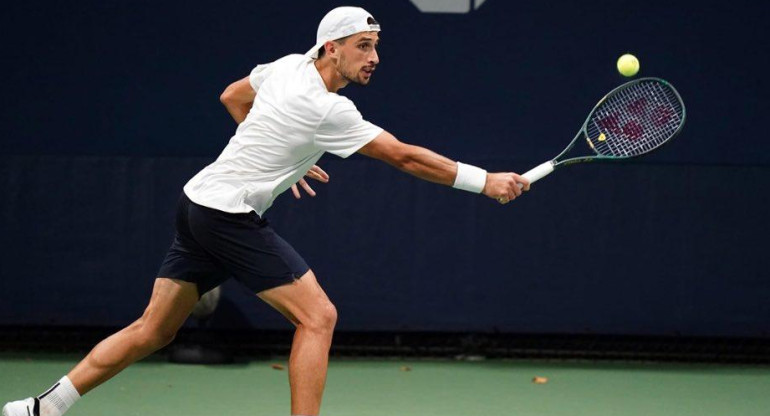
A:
(633, 119)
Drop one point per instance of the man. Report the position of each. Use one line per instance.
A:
(288, 115)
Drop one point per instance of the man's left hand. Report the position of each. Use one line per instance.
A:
(315, 173)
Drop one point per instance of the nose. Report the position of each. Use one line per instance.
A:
(374, 58)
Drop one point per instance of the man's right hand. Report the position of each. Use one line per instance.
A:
(505, 187)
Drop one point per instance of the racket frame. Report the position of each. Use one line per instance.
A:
(546, 168)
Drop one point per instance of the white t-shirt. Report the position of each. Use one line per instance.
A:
(293, 121)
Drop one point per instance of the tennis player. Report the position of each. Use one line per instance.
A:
(289, 115)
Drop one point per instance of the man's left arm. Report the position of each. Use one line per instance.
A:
(238, 98)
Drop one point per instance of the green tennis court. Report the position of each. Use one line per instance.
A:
(388, 387)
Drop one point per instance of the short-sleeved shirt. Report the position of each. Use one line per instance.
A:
(293, 121)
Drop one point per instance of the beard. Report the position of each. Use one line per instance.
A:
(356, 80)
(352, 76)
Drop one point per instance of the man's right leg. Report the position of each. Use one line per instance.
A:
(170, 305)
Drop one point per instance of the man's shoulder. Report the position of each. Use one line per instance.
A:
(340, 102)
(291, 59)
(325, 104)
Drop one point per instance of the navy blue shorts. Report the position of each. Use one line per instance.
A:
(211, 246)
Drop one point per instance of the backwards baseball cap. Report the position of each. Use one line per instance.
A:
(342, 22)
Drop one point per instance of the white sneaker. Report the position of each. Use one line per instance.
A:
(26, 407)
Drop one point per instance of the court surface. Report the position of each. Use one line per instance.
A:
(391, 387)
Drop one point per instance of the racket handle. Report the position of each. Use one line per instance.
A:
(539, 172)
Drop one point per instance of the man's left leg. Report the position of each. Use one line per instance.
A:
(169, 306)
(306, 305)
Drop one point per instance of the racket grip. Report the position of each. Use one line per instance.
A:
(538, 172)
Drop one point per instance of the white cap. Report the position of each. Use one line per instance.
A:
(342, 22)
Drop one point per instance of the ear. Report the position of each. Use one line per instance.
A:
(330, 48)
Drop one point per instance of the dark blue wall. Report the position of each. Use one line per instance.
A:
(109, 107)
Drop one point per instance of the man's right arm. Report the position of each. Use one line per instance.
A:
(430, 166)
(238, 98)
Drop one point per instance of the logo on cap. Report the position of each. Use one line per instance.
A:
(447, 6)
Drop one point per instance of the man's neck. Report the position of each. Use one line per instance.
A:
(333, 80)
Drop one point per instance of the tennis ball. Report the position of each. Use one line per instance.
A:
(628, 65)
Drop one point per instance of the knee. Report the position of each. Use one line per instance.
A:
(323, 319)
(153, 338)
(156, 339)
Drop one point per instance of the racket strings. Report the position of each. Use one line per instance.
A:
(635, 120)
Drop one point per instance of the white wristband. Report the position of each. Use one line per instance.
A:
(470, 178)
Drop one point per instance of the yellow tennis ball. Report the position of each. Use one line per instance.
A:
(628, 65)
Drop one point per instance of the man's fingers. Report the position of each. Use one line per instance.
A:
(320, 171)
(306, 187)
(515, 188)
(318, 174)
(506, 187)
(303, 183)
(522, 183)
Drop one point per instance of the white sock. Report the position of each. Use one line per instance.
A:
(59, 398)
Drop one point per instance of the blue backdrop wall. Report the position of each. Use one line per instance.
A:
(109, 107)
